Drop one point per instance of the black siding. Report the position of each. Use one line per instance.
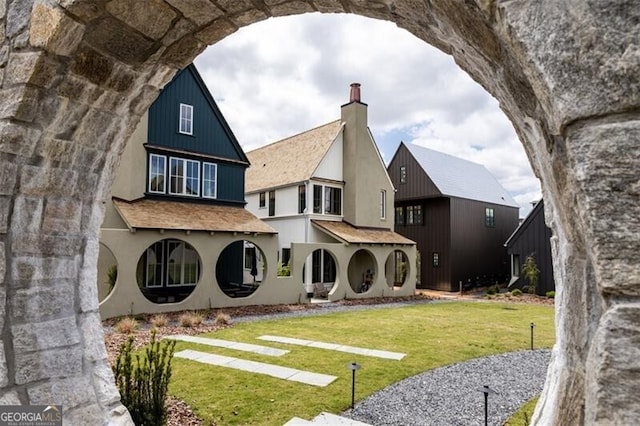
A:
(534, 237)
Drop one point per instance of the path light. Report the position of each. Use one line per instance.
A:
(532, 325)
(486, 390)
(353, 366)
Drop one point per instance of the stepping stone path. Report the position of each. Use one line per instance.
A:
(276, 371)
(246, 347)
(335, 347)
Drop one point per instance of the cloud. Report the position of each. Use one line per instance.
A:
(285, 75)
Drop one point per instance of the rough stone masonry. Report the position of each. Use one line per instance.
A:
(75, 76)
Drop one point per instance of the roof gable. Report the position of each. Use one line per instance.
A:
(533, 215)
(290, 160)
(211, 132)
(455, 177)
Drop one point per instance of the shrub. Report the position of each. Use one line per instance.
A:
(284, 270)
(190, 319)
(159, 320)
(531, 273)
(143, 383)
(516, 292)
(112, 277)
(491, 291)
(126, 325)
(223, 319)
(551, 294)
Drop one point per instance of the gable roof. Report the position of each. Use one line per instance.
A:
(290, 160)
(460, 178)
(533, 214)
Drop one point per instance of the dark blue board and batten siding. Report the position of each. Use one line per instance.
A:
(211, 133)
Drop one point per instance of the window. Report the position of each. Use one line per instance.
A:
(286, 256)
(436, 259)
(262, 203)
(302, 198)
(515, 265)
(399, 216)
(209, 180)
(489, 217)
(184, 177)
(272, 203)
(182, 264)
(403, 174)
(157, 172)
(317, 198)
(383, 204)
(186, 119)
(250, 256)
(332, 200)
(414, 215)
(154, 265)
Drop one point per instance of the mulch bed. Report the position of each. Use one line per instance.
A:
(180, 414)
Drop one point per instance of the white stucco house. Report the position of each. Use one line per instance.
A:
(327, 193)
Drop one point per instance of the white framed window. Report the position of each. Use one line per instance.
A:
(332, 200)
(209, 180)
(154, 265)
(383, 204)
(186, 119)
(184, 177)
(157, 173)
(182, 264)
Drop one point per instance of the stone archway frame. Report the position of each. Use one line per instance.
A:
(77, 75)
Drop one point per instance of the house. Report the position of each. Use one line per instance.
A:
(458, 214)
(327, 194)
(532, 238)
(176, 235)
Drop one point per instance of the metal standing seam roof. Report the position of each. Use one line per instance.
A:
(350, 234)
(290, 160)
(460, 178)
(145, 213)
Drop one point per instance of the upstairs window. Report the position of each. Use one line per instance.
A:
(302, 198)
(272, 203)
(414, 215)
(383, 204)
(209, 180)
(399, 220)
(157, 172)
(317, 199)
(262, 203)
(332, 200)
(184, 177)
(403, 174)
(186, 119)
(489, 217)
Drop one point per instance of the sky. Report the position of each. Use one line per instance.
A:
(282, 76)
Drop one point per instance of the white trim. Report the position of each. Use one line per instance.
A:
(184, 177)
(164, 174)
(214, 180)
(187, 118)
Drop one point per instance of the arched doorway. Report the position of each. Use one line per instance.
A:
(92, 68)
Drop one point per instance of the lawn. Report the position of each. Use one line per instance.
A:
(432, 335)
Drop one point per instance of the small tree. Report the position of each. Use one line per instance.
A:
(284, 270)
(531, 273)
(143, 383)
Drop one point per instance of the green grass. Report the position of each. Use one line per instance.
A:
(432, 335)
(522, 417)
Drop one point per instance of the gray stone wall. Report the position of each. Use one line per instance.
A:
(75, 76)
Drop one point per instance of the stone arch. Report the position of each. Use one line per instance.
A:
(77, 75)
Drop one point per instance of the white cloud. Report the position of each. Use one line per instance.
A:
(285, 75)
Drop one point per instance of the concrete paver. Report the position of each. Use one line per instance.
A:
(335, 347)
(239, 346)
(277, 371)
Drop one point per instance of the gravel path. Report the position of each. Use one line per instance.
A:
(452, 395)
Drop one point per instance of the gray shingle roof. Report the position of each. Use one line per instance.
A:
(460, 178)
